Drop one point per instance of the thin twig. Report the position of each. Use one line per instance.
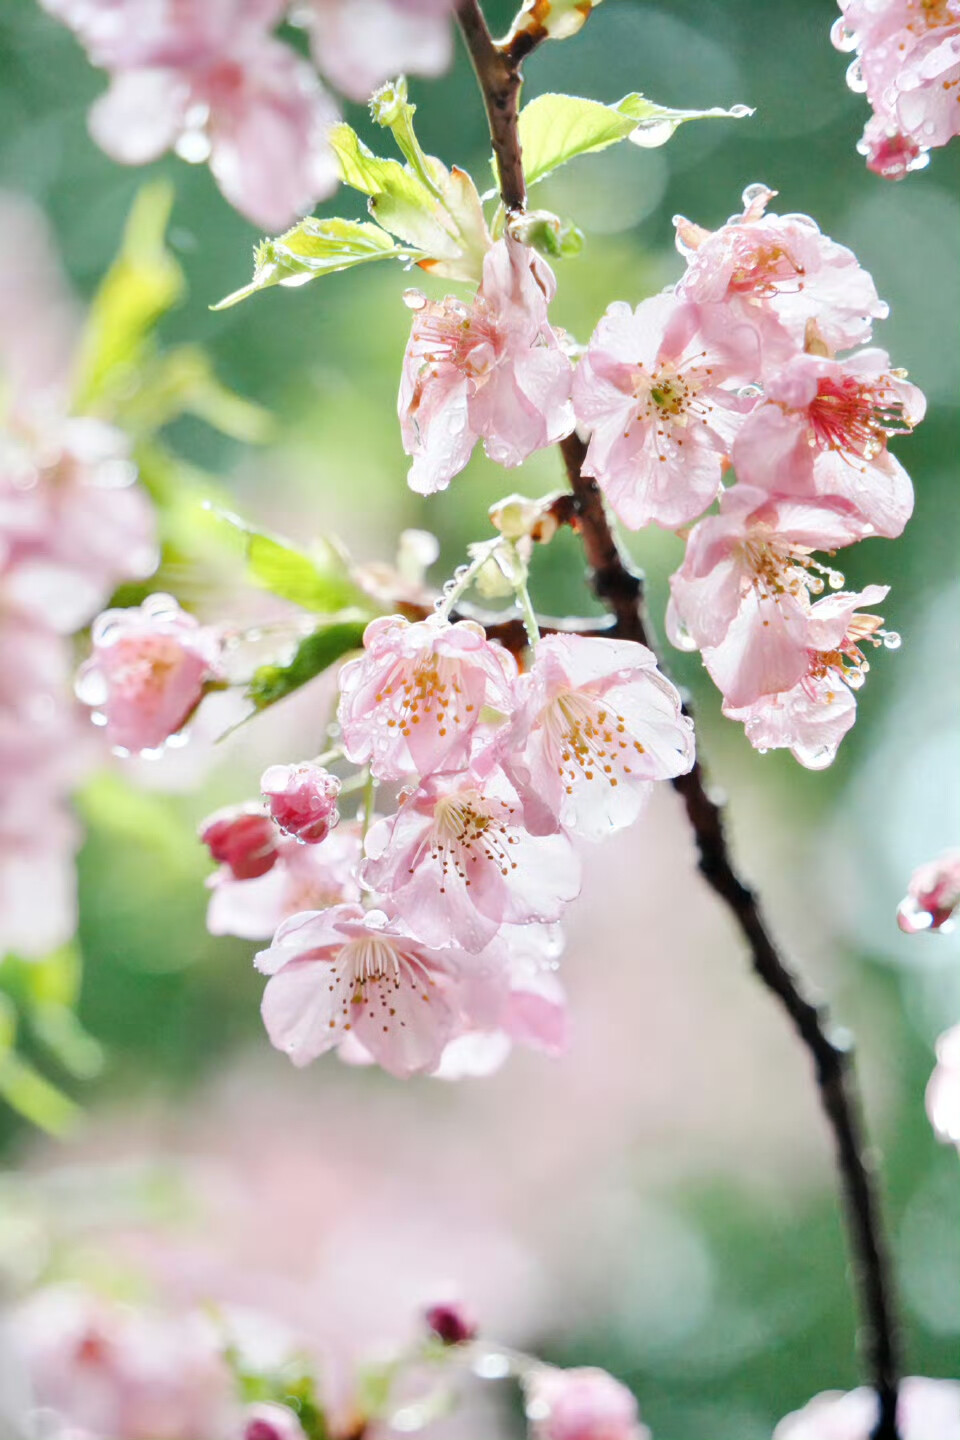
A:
(621, 589)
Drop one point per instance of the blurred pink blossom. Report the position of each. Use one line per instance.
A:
(358, 44)
(148, 671)
(943, 1089)
(583, 1404)
(932, 895)
(928, 1410)
(493, 370)
(302, 877)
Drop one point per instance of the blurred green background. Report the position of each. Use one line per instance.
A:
(174, 1008)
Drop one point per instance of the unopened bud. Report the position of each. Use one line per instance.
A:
(243, 838)
(389, 102)
(517, 517)
(547, 233)
(451, 1324)
(302, 799)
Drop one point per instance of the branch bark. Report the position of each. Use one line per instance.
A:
(621, 589)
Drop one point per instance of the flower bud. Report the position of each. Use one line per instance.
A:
(271, 1422)
(451, 1324)
(302, 799)
(932, 896)
(584, 1404)
(243, 838)
(517, 517)
(148, 672)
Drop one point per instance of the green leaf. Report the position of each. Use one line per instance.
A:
(314, 654)
(398, 199)
(24, 1088)
(316, 247)
(182, 381)
(141, 285)
(557, 128)
(319, 581)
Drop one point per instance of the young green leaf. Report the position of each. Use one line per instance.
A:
(314, 654)
(317, 247)
(557, 128)
(319, 581)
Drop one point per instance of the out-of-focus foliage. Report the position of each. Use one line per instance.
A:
(731, 1303)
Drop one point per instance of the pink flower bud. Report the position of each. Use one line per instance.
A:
(451, 1324)
(148, 671)
(302, 800)
(271, 1422)
(242, 838)
(585, 1404)
(932, 895)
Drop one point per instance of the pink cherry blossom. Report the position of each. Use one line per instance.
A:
(358, 44)
(243, 839)
(781, 273)
(493, 370)
(596, 724)
(943, 1089)
(746, 582)
(457, 862)
(302, 877)
(658, 389)
(583, 1404)
(205, 77)
(345, 971)
(106, 1369)
(811, 718)
(412, 704)
(889, 153)
(932, 895)
(928, 1410)
(148, 671)
(302, 799)
(823, 430)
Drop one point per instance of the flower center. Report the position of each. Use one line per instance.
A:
(466, 830)
(776, 569)
(589, 739)
(845, 415)
(430, 689)
(459, 335)
(764, 269)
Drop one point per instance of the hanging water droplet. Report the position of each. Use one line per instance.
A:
(651, 133)
(414, 299)
(681, 637)
(836, 580)
(815, 585)
(491, 1365)
(855, 77)
(815, 757)
(754, 192)
(740, 112)
(855, 678)
(891, 640)
(193, 146)
(842, 36)
(763, 750)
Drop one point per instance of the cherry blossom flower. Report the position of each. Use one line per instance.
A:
(823, 431)
(106, 1369)
(927, 1409)
(943, 1089)
(596, 724)
(932, 895)
(205, 77)
(812, 718)
(493, 370)
(345, 971)
(457, 862)
(302, 877)
(908, 63)
(658, 388)
(412, 704)
(148, 671)
(243, 839)
(302, 800)
(582, 1404)
(746, 582)
(358, 44)
(781, 273)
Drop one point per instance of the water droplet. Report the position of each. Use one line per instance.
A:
(750, 392)
(891, 640)
(835, 579)
(193, 146)
(815, 585)
(855, 77)
(842, 36)
(763, 750)
(740, 112)
(855, 679)
(651, 133)
(680, 636)
(754, 192)
(815, 757)
(492, 1365)
(414, 299)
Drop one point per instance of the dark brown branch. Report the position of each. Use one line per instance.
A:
(621, 589)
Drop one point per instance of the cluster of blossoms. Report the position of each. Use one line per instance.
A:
(212, 81)
(73, 525)
(424, 940)
(740, 368)
(908, 64)
(932, 899)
